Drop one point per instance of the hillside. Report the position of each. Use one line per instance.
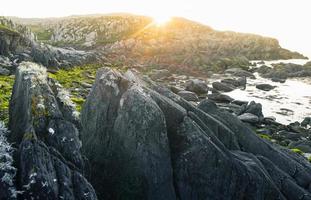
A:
(136, 40)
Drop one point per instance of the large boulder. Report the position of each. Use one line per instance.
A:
(223, 87)
(189, 96)
(197, 86)
(125, 139)
(203, 152)
(265, 87)
(240, 73)
(45, 128)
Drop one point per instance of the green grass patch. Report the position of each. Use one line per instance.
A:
(267, 137)
(7, 29)
(6, 86)
(297, 151)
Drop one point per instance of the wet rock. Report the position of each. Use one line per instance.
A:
(253, 108)
(239, 102)
(45, 128)
(249, 118)
(127, 145)
(263, 69)
(240, 82)
(223, 87)
(240, 73)
(265, 87)
(189, 96)
(306, 122)
(220, 98)
(197, 86)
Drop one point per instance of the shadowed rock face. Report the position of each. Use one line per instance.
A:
(43, 124)
(145, 142)
(125, 139)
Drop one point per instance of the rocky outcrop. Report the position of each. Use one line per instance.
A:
(281, 71)
(197, 86)
(59, 57)
(45, 128)
(7, 170)
(193, 152)
(126, 144)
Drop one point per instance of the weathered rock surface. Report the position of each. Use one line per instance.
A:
(44, 126)
(126, 144)
(189, 96)
(223, 87)
(197, 86)
(203, 152)
(7, 170)
(220, 98)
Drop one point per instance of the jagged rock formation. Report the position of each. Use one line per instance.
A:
(145, 142)
(7, 170)
(44, 126)
(19, 44)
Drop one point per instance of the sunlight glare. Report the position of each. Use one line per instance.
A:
(161, 20)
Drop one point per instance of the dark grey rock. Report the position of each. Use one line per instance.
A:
(223, 87)
(240, 73)
(240, 82)
(253, 108)
(306, 121)
(197, 86)
(189, 96)
(44, 124)
(220, 98)
(126, 144)
(249, 118)
(265, 87)
(44, 174)
(211, 152)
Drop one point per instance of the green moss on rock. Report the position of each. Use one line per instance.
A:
(6, 86)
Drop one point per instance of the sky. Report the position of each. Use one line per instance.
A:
(286, 20)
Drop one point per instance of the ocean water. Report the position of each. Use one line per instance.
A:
(288, 102)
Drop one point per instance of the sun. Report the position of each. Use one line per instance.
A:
(161, 20)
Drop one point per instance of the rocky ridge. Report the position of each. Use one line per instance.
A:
(44, 127)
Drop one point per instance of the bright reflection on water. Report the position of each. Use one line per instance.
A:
(288, 102)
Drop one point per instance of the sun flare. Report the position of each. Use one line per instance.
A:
(161, 20)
